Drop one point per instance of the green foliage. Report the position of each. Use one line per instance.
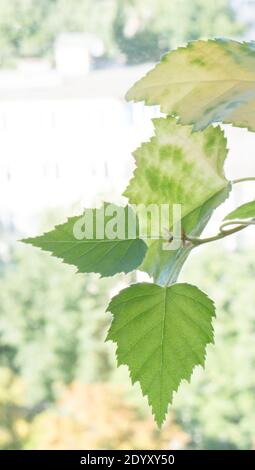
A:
(99, 255)
(140, 30)
(245, 211)
(205, 82)
(178, 166)
(164, 266)
(25, 28)
(99, 417)
(51, 324)
(143, 31)
(29, 28)
(162, 329)
(161, 334)
(13, 413)
(217, 407)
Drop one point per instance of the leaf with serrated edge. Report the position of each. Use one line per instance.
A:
(204, 82)
(104, 256)
(161, 335)
(178, 166)
(245, 211)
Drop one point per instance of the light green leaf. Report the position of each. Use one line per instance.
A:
(178, 166)
(204, 82)
(246, 211)
(165, 265)
(161, 334)
(105, 256)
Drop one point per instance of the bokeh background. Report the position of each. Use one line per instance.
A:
(66, 137)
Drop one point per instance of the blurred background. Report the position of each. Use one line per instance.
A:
(66, 137)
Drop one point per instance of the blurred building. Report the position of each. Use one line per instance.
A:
(65, 138)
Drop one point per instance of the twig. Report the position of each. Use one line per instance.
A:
(222, 233)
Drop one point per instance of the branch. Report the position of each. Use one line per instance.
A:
(244, 223)
(242, 180)
(222, 233)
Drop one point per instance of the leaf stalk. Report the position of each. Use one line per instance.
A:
(222, 233)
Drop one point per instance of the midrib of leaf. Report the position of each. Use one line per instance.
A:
(184, 82)
(90, 241)
(162, 350)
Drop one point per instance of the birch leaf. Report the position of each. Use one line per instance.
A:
(204, 82)
(245, 211)
(94, 254)
(178, 166)
(161, 335)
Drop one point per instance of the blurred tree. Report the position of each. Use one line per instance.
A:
(145, 30)
(14, 427)
(218, 407)
(52, 328)
(52, 323)
(28, 28)
(100, 416)
(25, 29)
(140, 30)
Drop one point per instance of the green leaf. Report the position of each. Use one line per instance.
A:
(178, 167)
(246, 211)
(161, 335)
(165, 265)
(105, 256)
(204, 82)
